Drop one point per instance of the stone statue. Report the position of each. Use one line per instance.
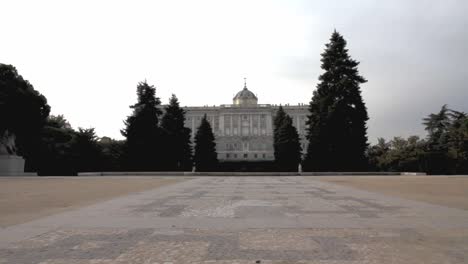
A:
(10, 163)
(7, 143)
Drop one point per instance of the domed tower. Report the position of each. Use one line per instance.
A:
(245, 97)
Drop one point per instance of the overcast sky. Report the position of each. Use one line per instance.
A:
(87, 57)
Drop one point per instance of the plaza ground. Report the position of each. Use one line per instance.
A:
(451, 191)
(347, 219)
(29, 198)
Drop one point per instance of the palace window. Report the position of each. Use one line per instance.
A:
(216, 123)
(246, 155)
(263, 121)
(235, 121)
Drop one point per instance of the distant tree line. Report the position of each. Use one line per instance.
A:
(157, 140)
(155, 136)
(444, 151)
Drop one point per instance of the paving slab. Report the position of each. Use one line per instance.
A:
(244, 220)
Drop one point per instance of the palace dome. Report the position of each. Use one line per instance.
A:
(245, 97)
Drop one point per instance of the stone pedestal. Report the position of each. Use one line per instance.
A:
(12, 165)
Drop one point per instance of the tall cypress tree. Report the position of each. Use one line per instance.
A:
(337, 131)
(143, 145)
(176, 137)
(277, 121)
(287, 146)
(206, 158)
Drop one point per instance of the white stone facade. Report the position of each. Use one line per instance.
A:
(244, 130)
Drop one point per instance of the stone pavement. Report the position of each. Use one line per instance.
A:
(244, 220)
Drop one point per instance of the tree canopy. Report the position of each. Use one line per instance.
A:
(278, 120)
(143, 148)
(86, 152)
(447, 141)
(287, 146)
(53, 155)
(337, 131)
(23, 111)
(178, 150)
(206, 158)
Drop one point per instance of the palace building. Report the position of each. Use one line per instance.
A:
(244, 129)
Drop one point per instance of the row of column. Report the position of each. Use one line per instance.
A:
(220, 129)
(240, 124)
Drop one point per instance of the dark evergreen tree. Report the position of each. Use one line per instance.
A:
(178, 153)
(112, 151)
(206, 158)
(86, 152)
(143, 147)
(447, 150)
(287, 146)
(458, 143)
(337, 131)
(54, 151)
(277, 122)
(23, 113)
(437, 126)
